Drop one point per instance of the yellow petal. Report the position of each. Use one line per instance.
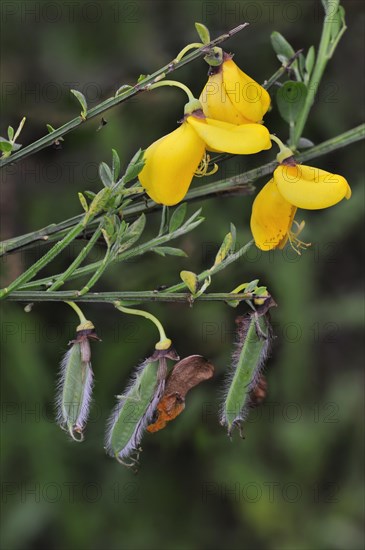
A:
(223, 137)
(246, 95)
(310, 188)
(217, 104)
(271, 219)
(170, 165)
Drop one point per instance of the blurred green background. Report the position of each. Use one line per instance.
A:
(296, 481)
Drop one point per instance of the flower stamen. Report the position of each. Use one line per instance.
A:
(296, 243)
(203, 168)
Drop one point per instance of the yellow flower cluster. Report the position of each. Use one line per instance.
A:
(229, 118)
(226, 120)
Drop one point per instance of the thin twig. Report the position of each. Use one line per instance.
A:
(226, 186)
(111, 297)
(104, 106)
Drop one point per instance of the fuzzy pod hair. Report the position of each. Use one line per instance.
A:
(136, 407)
(254, 336)
(74, 389)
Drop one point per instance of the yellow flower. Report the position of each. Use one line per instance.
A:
(223, 137)
(170, 165)
(172, 161)
(272, 218)
(310, 188)
(292, 187)
(232, 96)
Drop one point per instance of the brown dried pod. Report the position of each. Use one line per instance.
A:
(186, 374)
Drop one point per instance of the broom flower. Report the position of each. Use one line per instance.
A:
(173, 160)
(292, 186)
(230, 95)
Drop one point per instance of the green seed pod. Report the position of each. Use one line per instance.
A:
(136, 407)
(75, 384)
(254, 336)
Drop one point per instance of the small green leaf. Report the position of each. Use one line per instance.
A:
(290, 100)
(83, 202)
(309, 61)
(105, 174)
(115, 165)
(50, 130)
(19, 129)
(191, 280)
(132, 233)
(90, 194)
(5, 145)
(170, 251)
(134, 167)
(82, 100)
(281, 47)
(106, 238)
(142, 77)
(204, 286)
(203, 32)
(110, 225)
(98, 204)
(177, 217)
(338, 22)
(261, 291)
(122, 89)
(305, 143)
(224, 250)
(10, 133)
(251, 285)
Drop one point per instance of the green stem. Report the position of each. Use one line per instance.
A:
(135, 296)
(153, 296)
(279, 73)
(215, 269)
(175, 84)
(225, 186)
(324, 54)
(164, 342)
(98, 273)
(48, 139)
(77, 261)
(192, 46)
(42, 262)
(78, 311)
(284, 151)
(124, 256)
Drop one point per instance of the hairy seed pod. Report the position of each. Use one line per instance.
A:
(254, 336)
(136, 407)
(75, 383)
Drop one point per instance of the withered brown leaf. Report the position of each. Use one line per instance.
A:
(185, 375)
